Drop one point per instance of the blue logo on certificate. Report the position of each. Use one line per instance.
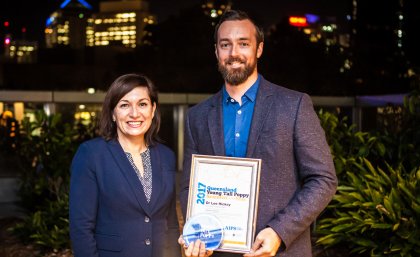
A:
(205, 227)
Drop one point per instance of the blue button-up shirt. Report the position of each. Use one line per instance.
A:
(237, 120)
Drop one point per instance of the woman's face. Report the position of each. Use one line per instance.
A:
(133, 114)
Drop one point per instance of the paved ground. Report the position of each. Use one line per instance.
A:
(10, 210)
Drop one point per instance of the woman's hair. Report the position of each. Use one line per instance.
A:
(118, 89)
(237, 15)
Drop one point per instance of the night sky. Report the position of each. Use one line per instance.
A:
(33, 14)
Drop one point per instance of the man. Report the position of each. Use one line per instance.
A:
(251, 117)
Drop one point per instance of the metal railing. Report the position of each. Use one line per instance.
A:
(179, 103)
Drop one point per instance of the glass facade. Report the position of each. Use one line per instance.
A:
(123, 29)
(21, 51)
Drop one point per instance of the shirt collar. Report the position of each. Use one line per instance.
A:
(251, 93)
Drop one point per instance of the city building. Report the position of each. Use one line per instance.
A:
(379, 45)
(330, 31)
(20, 51)
(378, 29)
(120, 23)
(410, 26)
(16, 48)
(67, 25)
(325, 29)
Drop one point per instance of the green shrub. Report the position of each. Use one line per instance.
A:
(375, 211)
(47, 227)
(46, 148)
(347, 144)
(407, 139)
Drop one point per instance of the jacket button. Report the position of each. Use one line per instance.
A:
(146, 219)
(147, 241)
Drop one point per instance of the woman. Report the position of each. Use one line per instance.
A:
(122, 190)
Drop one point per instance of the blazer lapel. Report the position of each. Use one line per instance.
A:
(130, 175)
(156, 176)
(261, 110)
(214, 122)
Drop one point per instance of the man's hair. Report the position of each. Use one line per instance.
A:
(237, 15)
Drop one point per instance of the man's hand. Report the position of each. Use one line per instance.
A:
(266, 243)
(195, 249)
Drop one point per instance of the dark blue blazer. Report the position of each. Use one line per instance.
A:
(297, 172)
(109, 213)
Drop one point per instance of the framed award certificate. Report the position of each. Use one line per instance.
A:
(225, 188)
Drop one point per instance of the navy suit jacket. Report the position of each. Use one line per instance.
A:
(297, 173)
(109, 213)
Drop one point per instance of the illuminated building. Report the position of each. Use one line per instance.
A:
(328, 31)
(20, 51)
(378, 28)
(321, 29)
(66, 26)
(120, 23)
(379, 42)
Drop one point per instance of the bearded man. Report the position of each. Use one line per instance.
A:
(251, 117)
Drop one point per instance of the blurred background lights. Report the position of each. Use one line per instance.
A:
(311, 18)
(213, 13)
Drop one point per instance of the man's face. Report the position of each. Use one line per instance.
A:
(237, 51)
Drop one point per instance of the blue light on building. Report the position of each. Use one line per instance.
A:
(83, 2)
(312, 18)
(50, 20)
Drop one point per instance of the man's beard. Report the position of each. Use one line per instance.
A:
(236, 76)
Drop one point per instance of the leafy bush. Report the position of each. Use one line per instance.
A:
(376, 212)
(347, 144)
(48, 226)
(46, 148)
(407, 139)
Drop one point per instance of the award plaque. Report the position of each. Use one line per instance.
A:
(225, 188)
(205, 227)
